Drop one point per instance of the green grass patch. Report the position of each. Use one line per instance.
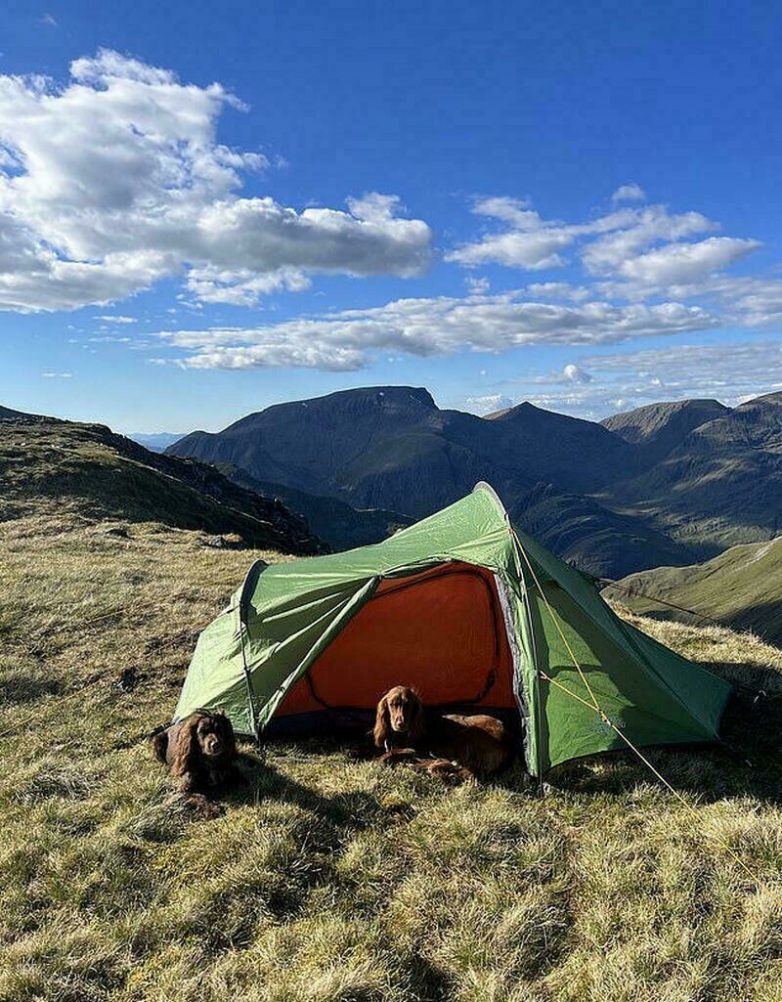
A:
(330, 880)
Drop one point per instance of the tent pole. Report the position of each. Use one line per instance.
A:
(535, 708)
(250, 581)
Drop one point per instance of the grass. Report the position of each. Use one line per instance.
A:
(330, 880)
(739, 588)
(57, 468)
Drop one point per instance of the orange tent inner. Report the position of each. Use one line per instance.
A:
(441, 631)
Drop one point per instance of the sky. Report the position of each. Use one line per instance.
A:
(209, 208)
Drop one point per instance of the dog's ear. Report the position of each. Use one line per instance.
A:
(382, 723)
(417, 724)
(160, 745)
(187, 749)
(226, 731)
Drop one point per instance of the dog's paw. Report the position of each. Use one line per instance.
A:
(202, 807)
(397, 755)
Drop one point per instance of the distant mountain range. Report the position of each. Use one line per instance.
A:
(157, 442)
(671, 483)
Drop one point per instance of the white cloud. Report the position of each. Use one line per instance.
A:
(57, 375)
(477, 286)
(488, 404)
(629, 193)
(242, 286)
(683, 263)
(560, 290)
(114, 318)
(731, 373)
(350, 339)
(639, 229)
(117, 180)
(575, 374)
(529, 242)
(605, 244)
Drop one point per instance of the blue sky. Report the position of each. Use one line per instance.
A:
(208, 208)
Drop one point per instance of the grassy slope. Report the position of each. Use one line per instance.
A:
(334, 881)
(90, 474)
(740, 588)
(337, 523)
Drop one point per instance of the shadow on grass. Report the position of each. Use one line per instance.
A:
(261, 782)
(747, 763)
(21, 689)
(326, 828)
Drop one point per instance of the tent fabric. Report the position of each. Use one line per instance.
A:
(471, 613)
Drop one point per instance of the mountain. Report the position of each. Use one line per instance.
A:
(392, 447)
(659, 428)
(51, 467)
(335, 522)
(7, 414)
(157, 442)
(670, 483)
(741, 588)
(597, 540)
(721, 484)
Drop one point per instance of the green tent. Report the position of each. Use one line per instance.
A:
(470, 612)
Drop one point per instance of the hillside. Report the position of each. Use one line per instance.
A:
(671, 483)
(741, 588)
(7, 414)
(597, 540)
(393, 443)
(659, 428)
(56, 468)
(335, 880)
(722, 483)
(337, 523)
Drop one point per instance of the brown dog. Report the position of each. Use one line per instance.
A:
(478, 744)
(200, 751)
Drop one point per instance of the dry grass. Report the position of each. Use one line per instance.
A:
(331, 880)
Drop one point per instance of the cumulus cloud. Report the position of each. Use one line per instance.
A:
(350, 339)
(117, 180)
(638, 230)
(575, 374)
(684, 263)
(616, 244)
(529, 242)
(629, 193)
(477, 286)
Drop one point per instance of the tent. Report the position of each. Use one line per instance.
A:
(472, 613)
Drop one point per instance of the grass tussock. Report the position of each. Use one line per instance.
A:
(328, 880)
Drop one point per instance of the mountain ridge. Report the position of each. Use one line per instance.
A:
(642, 488)
(49, 466)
